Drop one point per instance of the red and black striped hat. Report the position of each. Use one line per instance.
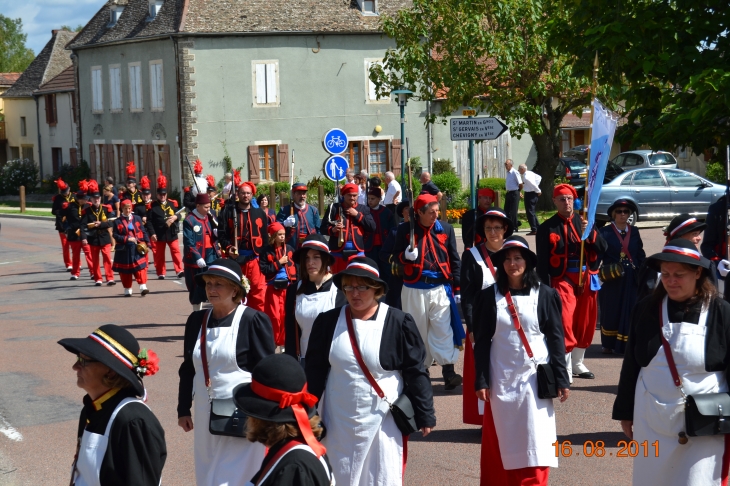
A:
(494, 213)
(362, 267)
(679, 250)
(317, 242)
(515, 242)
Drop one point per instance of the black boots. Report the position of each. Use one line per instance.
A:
(451, 379)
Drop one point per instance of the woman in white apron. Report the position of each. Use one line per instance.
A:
(364, 445)
(695, 323)
(120, 441)
(237, 338)
(492, 228)
(519, 428)
(313, 294)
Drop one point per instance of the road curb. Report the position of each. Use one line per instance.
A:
(27, 216)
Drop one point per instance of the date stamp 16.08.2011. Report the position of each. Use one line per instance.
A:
(629, 448)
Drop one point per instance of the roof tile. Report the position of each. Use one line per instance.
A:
(52, 59)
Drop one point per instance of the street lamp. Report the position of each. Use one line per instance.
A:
(403, 95)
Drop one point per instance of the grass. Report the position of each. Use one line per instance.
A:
(28, 204)
(27, 212)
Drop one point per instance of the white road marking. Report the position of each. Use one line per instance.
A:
(177, 282)
(5, 263)
(9, 431)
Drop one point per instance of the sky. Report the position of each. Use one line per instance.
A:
(40, 17)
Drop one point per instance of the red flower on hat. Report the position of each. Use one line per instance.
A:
(93, 186)
(149, 362)
(61, 184)
(83, 185)
(144, 183)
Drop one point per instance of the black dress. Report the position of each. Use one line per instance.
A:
(298, 467)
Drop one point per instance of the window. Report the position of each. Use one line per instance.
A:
(114, 14)
(97, 95)
(115, 88)
(378, 157)
(368, 6)
(353, 154)
(154, 9)
(51, 111)
(266, 83)
(676, 178)
(135, 86)
(267, 162)
(157, 96)
(14, 153)
(662, 159)
(23, 127)
(57, 158)
(633, 160)
(371, 96)
(649, 178)
(28, 152)
(627, 179)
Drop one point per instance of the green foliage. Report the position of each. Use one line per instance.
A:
(314, 183)
(175, 195)
(227, 160)
(16, 173)
(70, 175)
(442, 165)
(448, 183)
(494, 183)
(669, 59)
(78, 28)
(15, 57)
(716, 172)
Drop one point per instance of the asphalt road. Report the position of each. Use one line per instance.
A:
(40, 403)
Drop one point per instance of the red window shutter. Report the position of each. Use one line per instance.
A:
(253, 164)
(395, 151)
(365, 160)
(72, 157)
(92, 161)
(282, 158)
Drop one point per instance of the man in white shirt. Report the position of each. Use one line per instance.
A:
(227, 186)
(531, 187)
(513, 184)
(392, 194)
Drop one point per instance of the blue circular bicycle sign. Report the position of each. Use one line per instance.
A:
(335, 141)
(335, 168)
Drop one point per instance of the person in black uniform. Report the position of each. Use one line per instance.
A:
(72, 212)
(132, 193)
(282, 416)
(485, 199)
(395, 286)
(188, 199)
(384, 222)
(165, 226)
(95, 226)
(120, 441)
(64, 196)
(714, 243)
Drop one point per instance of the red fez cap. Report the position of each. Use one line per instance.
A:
(486, 192)
(424, 200)
(274, 228)
(250, 185)
(202, 198)
(126, 202)
(349, 188)
(565, 190)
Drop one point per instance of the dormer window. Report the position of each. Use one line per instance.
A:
(154, 9)
(114, 14)
(368, 7)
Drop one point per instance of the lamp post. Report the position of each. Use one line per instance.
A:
(403, 95)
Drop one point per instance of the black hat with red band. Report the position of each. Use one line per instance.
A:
(679, 250)
(683, 224)
(361, 267)
(317, 242)
(118, 349)
(519, 243)
(498, 214)
(278, 393)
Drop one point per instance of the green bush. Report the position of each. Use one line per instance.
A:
(494, 183)
(441, 166)
(70, 175)
(716, 173)
(16, 173)
(448, 183)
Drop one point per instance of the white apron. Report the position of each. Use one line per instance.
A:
(92, 450)
(525, 424)
(659, 411)
(220, 460)
(487, 281)
(308, 308)
(363, 443)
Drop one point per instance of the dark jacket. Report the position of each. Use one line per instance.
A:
(157, 219)
(252, 230)
(73, 212)
(442, 242)
(57, 209)
(98, 236)
(355, 228)
(270, 266)
(194, 241)
(384, 221)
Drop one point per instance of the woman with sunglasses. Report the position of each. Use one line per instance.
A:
(621, 263)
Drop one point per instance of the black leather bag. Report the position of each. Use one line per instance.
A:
(547, 387)
(707, 414)
(226, 419)
(404, 415)
(611, 271)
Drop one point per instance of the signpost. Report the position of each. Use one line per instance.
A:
(335, 141)
(336, 167)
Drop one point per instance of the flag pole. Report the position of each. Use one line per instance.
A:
(588, 171)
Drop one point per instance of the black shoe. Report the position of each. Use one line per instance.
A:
(145, 292)
(68, 269)
(98, 284)
(111, 282)
(586, 376)
(74, 277)
(181, 275)
(160, 277)
(451, 379)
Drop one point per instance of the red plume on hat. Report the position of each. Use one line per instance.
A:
(198, 167)
(93, 187)
(161, 181)
(83, 185)
(186, 189)
(61, 185)
(236, 177)
(144, 183)
(210, 180)
(131, 169)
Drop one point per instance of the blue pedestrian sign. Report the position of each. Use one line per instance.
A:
(335, 141)
(336, 167)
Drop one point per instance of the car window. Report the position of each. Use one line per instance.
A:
(678, 178)
(575, 164)
(662, 159)
(648, 178)
(619, 160)
(633, 160)
(627, 179)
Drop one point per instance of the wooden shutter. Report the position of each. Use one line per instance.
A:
(122, 162)
(395, 151)
(92, 160)
(271, 83)
(148, 165)
(108, 159)
(365, 156)
(253, 162)
(72, 157)
(282, 159)
(47, 99)
(261, 84)
(165, 163)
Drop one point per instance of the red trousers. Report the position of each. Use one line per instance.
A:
(470, 402)
(580, 312)
(140, 277)
(76, 248)
(158, 248)
(256, 296)
(106, 253)
(492, 469)
(274, 308)
(65, 249)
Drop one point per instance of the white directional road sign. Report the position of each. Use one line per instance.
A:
(486, 128)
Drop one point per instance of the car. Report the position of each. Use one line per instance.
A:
(637, 159)
(659, 194)
(578, 152)
(572, 169)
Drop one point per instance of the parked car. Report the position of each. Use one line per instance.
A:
(578, 152)
(659, 194)
(572, 169)
(637, 159)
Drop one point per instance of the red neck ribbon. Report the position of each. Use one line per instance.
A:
(293, 400)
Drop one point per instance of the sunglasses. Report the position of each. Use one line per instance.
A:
(359, 288)
(493, 229)
(622, 211)
(84, 361)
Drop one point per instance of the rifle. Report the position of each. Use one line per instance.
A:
(192, 174)
(476, 214)
(291, 183)
(234, 207)
(727, 204)
(341, 238)
(411, 212)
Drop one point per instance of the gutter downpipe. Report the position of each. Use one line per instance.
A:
(38, 127)
(179, 114)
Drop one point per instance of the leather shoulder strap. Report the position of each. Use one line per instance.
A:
(517, 324)
(668, 349)
(203, 347)
(358, 356)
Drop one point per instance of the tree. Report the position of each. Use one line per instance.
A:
(77, 29)
(671, 60)
(491, 56)
(14, 56)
